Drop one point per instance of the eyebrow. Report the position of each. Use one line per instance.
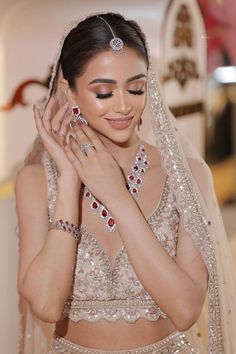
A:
(110, 81)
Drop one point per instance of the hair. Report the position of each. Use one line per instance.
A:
(92, 36)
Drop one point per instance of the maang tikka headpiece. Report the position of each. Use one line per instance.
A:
(116, 43)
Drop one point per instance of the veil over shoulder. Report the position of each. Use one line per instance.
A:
(191, 181)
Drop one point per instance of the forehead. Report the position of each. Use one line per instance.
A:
(117, 66)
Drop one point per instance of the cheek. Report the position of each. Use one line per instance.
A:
(139, 103)
(92, 107)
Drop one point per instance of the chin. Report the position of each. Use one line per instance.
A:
(120, 137)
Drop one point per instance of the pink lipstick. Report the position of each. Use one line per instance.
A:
(119, 124)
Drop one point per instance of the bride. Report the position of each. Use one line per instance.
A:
(120, 240)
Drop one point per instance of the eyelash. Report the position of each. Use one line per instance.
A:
(110, 94)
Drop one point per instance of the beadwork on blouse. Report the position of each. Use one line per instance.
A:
(100, 292)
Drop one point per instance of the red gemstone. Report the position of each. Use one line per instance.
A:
(87, 194)
(131, 177)
(95, 205)
(138, 181)
(135, 168)
(75, 111)
(139, 158)
(111, 222)
(104, 213)
(134, 190)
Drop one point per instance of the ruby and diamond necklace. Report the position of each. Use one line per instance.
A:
(134, 181)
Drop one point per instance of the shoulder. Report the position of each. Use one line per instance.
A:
(31, 174)
(31, 180)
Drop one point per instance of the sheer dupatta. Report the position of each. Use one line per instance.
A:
(191, 181)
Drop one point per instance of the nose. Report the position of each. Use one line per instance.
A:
(122, 104)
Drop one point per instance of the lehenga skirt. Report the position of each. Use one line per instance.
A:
(175, 343)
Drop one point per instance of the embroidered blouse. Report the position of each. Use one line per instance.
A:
(102, 292)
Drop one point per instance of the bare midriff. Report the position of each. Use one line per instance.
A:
(114, 335)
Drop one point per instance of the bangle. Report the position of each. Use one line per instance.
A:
(66, 227)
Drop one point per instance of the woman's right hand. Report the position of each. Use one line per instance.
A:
(53, 127)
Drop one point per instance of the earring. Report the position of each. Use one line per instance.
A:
(77, 117)
(140, 123)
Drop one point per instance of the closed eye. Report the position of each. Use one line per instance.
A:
(110, 94)
(136, 92)
(104, 95)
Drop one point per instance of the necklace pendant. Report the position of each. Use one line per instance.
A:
(94, 206)
(110, 223)
(107, 218)
(104, 213)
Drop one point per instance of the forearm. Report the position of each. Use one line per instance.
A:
(47, 282)
(166, 282)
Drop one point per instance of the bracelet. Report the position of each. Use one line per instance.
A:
(66, 227)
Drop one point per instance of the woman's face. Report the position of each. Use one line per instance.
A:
(112, 94)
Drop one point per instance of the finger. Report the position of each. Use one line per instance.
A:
(70, 150)
(59, 117)
(46, 138)
(65, 125)
(49, 112)
(92, 136)
(60, 134)
(75, 147)
(40, 124)
(82, 139)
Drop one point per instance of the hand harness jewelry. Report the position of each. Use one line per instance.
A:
(134, 182)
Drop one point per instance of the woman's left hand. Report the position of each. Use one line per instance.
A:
(97, 168)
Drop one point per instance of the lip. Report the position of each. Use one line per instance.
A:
(119, 123)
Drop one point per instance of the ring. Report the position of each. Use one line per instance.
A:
(85, 147)
(55, 131)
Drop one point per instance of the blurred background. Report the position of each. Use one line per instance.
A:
(194, 53)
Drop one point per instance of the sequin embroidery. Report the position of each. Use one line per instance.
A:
(100, 292)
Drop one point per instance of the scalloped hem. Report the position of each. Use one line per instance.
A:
(174, 343)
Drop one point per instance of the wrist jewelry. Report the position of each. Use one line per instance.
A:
(66, 227)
